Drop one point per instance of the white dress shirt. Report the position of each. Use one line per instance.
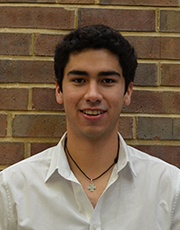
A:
(42, 193)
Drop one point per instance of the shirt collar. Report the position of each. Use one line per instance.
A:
(124, 156)
(60, 163)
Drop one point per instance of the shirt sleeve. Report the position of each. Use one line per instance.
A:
(6, 215)
(176, 208)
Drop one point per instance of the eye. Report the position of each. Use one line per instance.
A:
(78, 80)
(108, 81)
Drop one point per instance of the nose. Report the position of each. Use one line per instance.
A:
(93, 93)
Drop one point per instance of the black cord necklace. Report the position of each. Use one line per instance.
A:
(91, 187)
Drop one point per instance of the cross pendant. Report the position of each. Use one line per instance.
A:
(92, 187)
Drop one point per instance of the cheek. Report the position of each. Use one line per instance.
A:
(117, 99)
(118, 104)
(70, 101)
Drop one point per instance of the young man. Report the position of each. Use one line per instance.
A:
(91, 179)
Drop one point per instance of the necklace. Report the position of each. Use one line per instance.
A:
(91, 187)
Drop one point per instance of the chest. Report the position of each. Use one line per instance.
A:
(94, 189)
(66, 205)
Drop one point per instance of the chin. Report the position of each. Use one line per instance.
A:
(94, 134)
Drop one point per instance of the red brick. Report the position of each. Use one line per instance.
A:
(44, 99)
(29, 1)
(168, 153)
(176, 128)
(46, 43)
(170, 48)
(170, 74)
(36, 17)
(42, 1)
(119, 19)
(77, 1)
(175, 101)
(155, 128)
(146, 75)
(154, 102)
(39, 147)
(126, 127)
(3, 125)
(15, 44)
(146, 47)
(140, 2)
(11, 153)
(156, 47)
(14, 99)
(169, 21)
(38, 125)
(26, 71)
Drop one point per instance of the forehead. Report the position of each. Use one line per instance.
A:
(94, 59)
(91, 51)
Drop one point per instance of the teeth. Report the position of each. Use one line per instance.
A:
(92, 112)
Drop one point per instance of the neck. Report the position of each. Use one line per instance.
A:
(92, 156)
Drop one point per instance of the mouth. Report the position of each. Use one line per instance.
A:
(92, 112)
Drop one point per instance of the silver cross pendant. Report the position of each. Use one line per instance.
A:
(92, 187)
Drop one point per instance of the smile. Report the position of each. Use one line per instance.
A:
(92, 112)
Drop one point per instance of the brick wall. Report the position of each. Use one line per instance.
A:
(30, 118)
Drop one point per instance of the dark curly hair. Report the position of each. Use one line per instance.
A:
(96, 37)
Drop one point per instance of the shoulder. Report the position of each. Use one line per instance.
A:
(142, 161)
(154, 170)
(35, 168)
(149, 161)
(30, 166)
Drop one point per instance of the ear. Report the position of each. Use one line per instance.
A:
(127, 96)
(59, 95)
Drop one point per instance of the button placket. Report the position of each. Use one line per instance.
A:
(95, 221)
(84, 205)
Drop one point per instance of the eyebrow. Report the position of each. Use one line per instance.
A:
(109, 73)
(77, 72)
(100, 74)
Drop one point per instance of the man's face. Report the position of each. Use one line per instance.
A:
(93, 93)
